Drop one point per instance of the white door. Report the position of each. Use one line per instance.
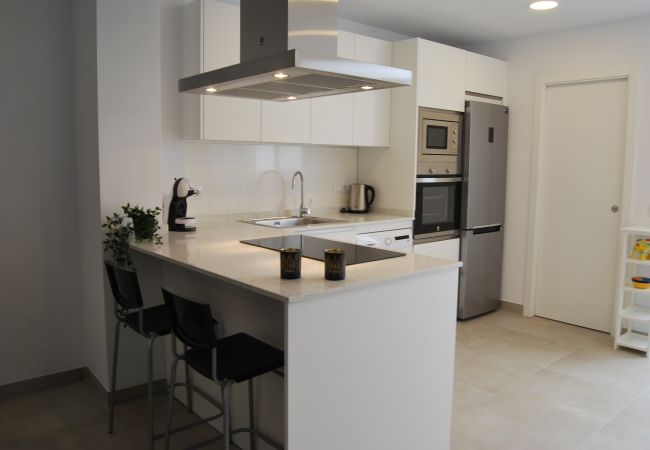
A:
(582, 156)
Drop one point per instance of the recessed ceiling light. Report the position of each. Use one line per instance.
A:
(544, 5)
(280, 75)
(211, 90)
(291, 97)
(367, 88)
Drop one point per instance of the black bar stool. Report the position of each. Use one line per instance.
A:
(225, 361)
(150, 323)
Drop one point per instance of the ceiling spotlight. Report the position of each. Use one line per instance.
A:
(211, 90)
(280, 75)
(544, 5)
(367, 88)
(291, 97)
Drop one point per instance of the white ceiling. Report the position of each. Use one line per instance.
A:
(472, 21)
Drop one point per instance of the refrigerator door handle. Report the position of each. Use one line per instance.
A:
(487, 229)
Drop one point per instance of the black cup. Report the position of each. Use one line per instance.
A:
(290, 262)
(335, 264)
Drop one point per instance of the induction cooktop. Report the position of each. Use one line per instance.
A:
(313, 248)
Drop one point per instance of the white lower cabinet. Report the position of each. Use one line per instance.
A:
(448, 249)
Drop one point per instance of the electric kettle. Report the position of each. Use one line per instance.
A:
(361, 197)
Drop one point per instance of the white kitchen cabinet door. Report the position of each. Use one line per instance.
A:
(486, 75)
(441, 76)
(211, 31)
(372, 109)
(286, 121)
(332, 117)
(448, 249)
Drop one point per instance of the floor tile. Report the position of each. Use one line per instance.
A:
(618, 369)
(581, 399)
(632, 424)
(601, 441)
(511, 424)
(466, 395)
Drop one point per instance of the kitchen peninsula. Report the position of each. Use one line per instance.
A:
(368, 360)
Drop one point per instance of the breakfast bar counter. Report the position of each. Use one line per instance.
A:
(368, 360)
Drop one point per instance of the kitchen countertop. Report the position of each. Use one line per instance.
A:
(214, 250)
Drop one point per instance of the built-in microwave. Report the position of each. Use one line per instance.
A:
(439, 140)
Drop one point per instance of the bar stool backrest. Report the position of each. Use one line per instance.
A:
(191, 322)
(124, 285)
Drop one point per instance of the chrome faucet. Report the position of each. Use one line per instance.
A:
(302, 211)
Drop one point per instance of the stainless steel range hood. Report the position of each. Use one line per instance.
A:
(288, 52)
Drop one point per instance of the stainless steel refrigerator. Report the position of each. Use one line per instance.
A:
(483, 208)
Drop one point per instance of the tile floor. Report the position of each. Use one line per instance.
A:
(73, 417)
(535, 384)
(521, 383)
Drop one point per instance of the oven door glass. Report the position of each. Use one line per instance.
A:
(437, 207)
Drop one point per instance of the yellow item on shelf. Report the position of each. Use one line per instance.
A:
(641, 250)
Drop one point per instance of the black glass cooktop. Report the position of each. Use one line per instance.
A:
(313, 247)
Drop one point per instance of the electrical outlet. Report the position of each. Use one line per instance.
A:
(340, 188)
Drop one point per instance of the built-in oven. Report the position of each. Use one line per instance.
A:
(437, 208)
(439, 140)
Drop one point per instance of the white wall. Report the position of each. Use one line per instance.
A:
(237, 177)
(129, 132)
(620, 43)
(89, 217)
(248, 178)
(40, 300)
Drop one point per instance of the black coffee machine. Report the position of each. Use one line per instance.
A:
(177, 219)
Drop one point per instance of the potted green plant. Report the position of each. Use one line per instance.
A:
(145, 222)
(119, 231)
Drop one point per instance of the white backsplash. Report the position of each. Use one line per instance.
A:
(240, 178)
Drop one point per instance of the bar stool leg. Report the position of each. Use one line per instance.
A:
(251, 414)
(150, 343)
(225, 397)
(170, 404)
(116, 345)
(188, 381)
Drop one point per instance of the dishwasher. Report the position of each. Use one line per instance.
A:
(400, 240)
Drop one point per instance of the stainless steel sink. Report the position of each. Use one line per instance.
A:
(289, 222)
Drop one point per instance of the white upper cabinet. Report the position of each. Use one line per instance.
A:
(211, 31)
(440, 76)
(332, 117)
(286, 122)
(361, 119)
(372, 109)
(486, 75)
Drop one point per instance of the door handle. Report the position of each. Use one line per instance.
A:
(614, 209)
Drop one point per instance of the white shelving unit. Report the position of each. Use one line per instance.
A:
(631, 310)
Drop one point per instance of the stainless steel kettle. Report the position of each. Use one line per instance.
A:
(361, 197)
